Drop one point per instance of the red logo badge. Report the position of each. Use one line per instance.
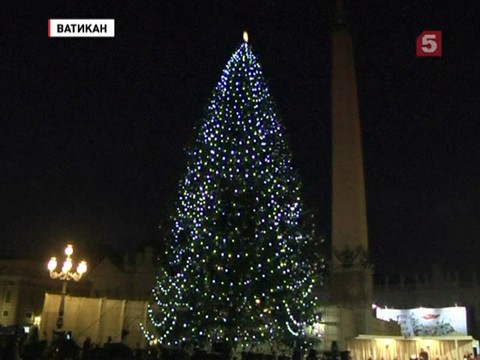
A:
(429, 44)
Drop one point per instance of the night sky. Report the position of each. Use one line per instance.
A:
(94, 132)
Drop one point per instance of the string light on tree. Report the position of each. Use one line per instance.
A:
(237, 268)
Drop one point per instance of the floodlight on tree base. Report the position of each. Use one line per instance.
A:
(65, 274)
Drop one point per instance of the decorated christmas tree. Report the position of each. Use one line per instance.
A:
(240, 266)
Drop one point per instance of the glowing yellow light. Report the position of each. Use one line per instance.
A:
(82, 267)
(245, 36)
(52, 264)
(67, 266)
(69, 250)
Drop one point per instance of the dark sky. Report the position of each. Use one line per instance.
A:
(93, 132)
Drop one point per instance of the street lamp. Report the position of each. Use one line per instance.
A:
(65, 274)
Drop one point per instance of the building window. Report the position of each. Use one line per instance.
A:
(8, 296)
(5, 313)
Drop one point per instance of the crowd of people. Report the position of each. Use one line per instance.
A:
(20, 347)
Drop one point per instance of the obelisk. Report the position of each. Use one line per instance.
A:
(351, 274)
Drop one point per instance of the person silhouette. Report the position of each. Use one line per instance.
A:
(423, 354)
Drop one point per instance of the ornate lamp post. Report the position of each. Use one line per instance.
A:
(65, 274)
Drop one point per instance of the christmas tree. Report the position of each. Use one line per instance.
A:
(239, 261)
